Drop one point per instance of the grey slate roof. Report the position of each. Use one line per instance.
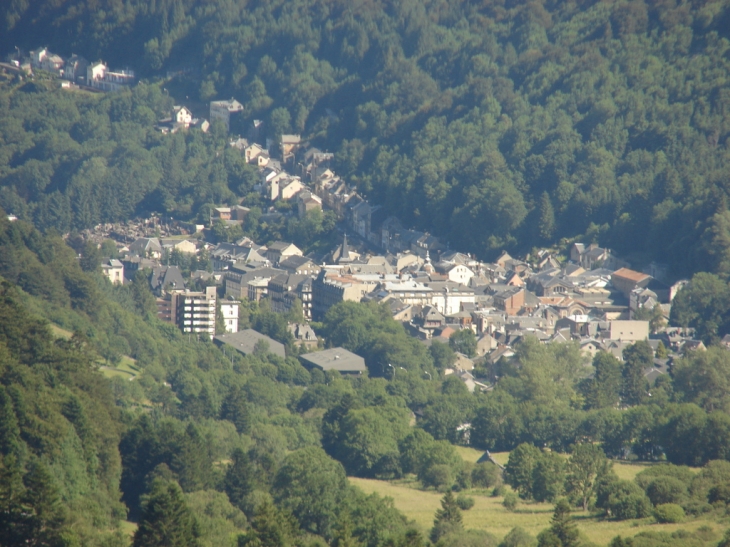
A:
(338, 359)
(244, 341)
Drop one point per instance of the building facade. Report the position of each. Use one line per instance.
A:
(195, 312)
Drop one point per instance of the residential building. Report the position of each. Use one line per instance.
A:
(629, 331)
(290, 144)
(195, 312)
(626, 280)
(113, 269)
(303, 335)
(146, 247)
(166, 278)
(307, 201)
(75, 68)
(229, 112)
(300, 265)
(285, 289)
(329, 288)
(280, 250)
(239, 276)
(100, 77)
(229, 311)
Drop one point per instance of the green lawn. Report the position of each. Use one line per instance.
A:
(489, 514)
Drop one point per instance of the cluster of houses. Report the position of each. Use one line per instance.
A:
(591, 296)
(584, 299)
(75, 70)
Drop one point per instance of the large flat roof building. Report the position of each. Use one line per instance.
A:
(339, 359)
(245, 341)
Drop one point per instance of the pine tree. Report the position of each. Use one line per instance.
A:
(239, 480)
(637, 358)
(269, 528)
(9, 430)
(562, 532)
(235, 409)
(166, 521)
(192, 462)
(546, 224)
(448, 518)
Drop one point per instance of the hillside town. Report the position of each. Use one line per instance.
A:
(589, 296)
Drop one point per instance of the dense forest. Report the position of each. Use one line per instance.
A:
(534, 121)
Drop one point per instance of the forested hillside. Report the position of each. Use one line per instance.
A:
(532, 121)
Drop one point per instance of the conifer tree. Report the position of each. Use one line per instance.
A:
(239, 480)
(546, 224)
(9, 430)
(166, 521)
(448, 518)
(235, 410)
(562, 532)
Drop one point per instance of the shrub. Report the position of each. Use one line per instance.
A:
(666, 490)
(669, 513)
(463, 478)
(518, 538)
(623, 499)
(499, 490)
(464, 502)
(486, 475)
(510, 501)
(439, 476)
(720, 493)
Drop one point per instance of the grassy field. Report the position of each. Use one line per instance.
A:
(58, 332)
(127, 368)
(489, 514)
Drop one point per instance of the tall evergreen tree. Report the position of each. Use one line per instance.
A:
(605, 387)
(166, 521)
(235, 409)
(562, 532)
(239, 480)
(637, 358)
(546, 224)
(10, 441)
(448, 518)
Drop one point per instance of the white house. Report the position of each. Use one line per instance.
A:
(229, 310)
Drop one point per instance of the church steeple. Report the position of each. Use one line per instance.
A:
(427, 266)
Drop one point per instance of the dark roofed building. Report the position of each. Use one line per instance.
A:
(166, 278)
(339, 359)
(245, 341)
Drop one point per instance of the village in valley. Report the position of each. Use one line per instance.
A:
(582, 293)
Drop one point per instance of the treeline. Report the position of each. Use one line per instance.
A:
(587, 479)
(533, 122)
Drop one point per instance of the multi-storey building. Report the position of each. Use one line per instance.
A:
(194, 312)
(229, 311)
(283, 290)
(330, 288)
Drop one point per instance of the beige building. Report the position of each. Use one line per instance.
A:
(113, 270)
(629, 331)
(330, 288)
